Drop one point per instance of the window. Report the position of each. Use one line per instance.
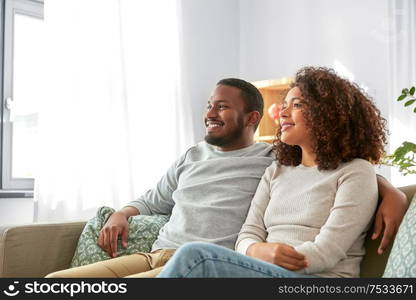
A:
(21, 90)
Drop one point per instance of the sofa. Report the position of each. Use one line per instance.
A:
(37, 249)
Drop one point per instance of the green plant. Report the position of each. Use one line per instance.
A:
(404, 157)
(408, 93)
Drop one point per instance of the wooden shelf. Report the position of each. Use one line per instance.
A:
(273, 91)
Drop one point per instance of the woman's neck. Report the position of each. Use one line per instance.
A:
(308, 157)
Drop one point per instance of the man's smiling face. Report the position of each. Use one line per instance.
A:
(224, 117)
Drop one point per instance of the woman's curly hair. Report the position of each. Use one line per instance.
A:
(344, 122)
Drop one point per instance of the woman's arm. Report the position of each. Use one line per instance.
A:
(252, 237)
(349, 219)
(253, 229)
(279, 254)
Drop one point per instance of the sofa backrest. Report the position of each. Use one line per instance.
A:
(373, 265)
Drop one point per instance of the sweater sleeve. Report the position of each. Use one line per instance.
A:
(350, 217)
(254, 229)
(159, 199)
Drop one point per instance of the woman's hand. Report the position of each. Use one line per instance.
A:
(279, 254)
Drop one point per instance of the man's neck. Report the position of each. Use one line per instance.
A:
(234, 147)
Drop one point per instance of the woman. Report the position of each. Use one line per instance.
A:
(313, 206)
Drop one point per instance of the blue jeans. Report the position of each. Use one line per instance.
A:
(201, 260)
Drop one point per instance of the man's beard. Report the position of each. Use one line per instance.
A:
(228, 139)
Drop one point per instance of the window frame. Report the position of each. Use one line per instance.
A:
(9, 8)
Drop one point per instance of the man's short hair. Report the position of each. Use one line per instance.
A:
(251, 95)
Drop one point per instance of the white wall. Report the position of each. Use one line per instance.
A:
(278, 37)
(16, 211)
(211, 46)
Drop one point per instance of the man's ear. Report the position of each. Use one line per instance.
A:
(253, 118)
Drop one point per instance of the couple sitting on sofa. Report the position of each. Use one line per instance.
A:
(307, 202)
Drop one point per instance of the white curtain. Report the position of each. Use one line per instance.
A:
(114, 115)
(402, 60)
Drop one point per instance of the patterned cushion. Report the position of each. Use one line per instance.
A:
(143, 231)
(402, 259)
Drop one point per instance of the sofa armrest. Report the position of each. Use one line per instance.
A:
(35, 250)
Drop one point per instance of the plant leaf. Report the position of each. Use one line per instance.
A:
(401, 97)
(410, 102)
(412, 91)
(409, 145)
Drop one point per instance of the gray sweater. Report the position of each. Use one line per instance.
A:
(207, 193)
(322, 214)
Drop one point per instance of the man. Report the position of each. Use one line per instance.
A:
(208, 190)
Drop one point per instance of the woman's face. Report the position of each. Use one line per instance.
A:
(292, 122)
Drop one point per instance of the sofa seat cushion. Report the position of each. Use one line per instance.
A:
(402, 259)
(143, 231)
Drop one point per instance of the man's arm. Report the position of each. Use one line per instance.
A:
(116, 225)
(155, 201)
(390, 212)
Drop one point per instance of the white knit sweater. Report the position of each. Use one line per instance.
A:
(322, 214)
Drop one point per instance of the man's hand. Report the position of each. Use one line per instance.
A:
(116, 226)
(389, 214)
(279, 254)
